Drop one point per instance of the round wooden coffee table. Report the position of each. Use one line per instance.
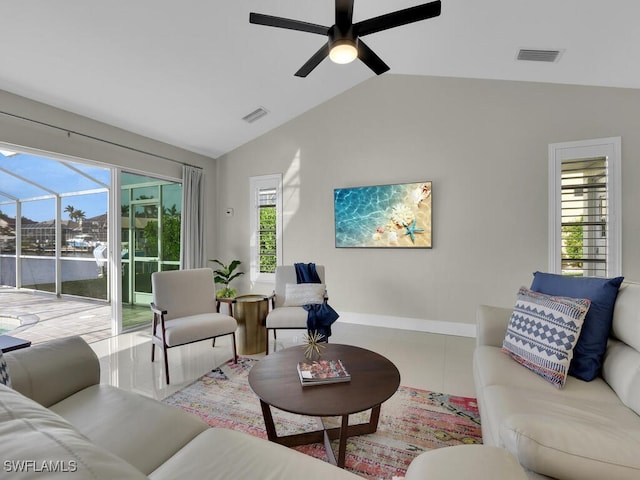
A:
(373, 380)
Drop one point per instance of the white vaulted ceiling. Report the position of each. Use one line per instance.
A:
(186, 72)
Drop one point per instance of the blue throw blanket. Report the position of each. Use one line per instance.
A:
(321, 316)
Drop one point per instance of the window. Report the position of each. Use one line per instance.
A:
(53, 216)
(266, 226)
(585, 230)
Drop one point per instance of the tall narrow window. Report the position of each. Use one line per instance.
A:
(585, 208)
(266, 225)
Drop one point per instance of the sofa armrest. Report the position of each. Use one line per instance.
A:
(52, 371)
(492, 325)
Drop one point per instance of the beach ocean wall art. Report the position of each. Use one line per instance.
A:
(383, 216)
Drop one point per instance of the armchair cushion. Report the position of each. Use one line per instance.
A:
(299, 294)
(287, 317)
(195, 327)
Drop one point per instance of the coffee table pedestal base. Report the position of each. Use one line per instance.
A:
(325, 435)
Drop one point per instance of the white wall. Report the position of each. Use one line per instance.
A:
(483, 143)
(20, 132)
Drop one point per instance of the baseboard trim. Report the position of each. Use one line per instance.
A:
(407, 323)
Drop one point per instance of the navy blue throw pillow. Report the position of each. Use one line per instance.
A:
(592, 343)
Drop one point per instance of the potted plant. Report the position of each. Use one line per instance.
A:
(224, 275)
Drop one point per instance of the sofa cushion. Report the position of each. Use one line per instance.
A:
(299, 294)
(621, 370)
(553, 434)
(465, 462)
(222, 454)
(587, 360)
(543, 331)
(140, 430)
(42, 371)
(582, 447)
(492, 368)
(37, 444)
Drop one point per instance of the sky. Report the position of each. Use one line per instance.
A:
(36, 177)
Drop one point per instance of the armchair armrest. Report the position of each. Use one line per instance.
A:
(272, 300)
(52, 371)
(492, 325)
(157, 310)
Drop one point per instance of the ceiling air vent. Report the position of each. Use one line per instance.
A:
(537, 55)
(257, 114)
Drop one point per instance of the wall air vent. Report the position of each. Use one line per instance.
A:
(537, 55)
(257, 114)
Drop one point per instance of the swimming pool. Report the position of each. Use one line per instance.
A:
(8, 323)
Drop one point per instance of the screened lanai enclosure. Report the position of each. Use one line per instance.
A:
(74, 229)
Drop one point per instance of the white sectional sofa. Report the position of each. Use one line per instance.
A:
(584, 431)
(59, 421)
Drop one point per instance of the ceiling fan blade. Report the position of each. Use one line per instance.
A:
(344, 14)
(370, 59)
(396, 19)
(314, 61)
(279, 22)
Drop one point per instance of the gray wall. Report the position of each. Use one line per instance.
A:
(484, 145)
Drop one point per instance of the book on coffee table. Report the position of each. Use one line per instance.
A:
(321, 372)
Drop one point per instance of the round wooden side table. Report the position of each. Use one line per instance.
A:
(250, 311)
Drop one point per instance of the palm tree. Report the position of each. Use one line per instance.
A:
(70, 210)
(79, 216)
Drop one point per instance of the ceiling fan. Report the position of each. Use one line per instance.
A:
(344, 43)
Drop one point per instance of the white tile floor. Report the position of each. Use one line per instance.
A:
(439, 363)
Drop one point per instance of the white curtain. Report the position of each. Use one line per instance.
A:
(192, 238)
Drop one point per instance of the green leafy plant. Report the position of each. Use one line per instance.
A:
(224, 275)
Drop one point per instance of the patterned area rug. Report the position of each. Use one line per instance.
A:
(411, 421)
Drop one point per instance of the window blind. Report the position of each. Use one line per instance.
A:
(584, 219)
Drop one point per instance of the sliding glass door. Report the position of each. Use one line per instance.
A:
(151, 215)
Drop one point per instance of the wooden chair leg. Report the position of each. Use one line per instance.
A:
(233, 343)
(166, 364)
(266, 343)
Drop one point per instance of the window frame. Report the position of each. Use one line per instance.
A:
(257, 183)
(611, 149)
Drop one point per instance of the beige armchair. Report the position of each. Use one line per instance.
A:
(184, 311)
(288, 313)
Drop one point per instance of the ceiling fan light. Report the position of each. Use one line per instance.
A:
(343, 51)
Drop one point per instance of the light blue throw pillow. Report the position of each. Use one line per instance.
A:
(592, 344)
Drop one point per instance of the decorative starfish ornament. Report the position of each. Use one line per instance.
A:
(312, 345)
(412, 230)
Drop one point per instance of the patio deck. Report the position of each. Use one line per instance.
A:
(45, 317)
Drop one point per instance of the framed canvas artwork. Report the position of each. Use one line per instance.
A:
(383, 216)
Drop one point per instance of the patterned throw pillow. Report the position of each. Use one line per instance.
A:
(543, 331)
(4, 372)
(299, 294)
